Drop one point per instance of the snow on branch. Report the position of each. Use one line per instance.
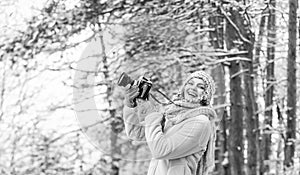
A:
(234, 26)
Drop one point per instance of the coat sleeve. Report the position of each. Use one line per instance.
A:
(134, 119)
(191, 136)
(133, 127)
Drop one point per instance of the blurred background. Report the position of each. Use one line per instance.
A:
(61, 110)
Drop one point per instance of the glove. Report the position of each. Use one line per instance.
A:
(130, 96)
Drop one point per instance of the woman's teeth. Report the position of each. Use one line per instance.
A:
(192, 93)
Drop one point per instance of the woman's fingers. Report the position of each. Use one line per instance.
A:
(132, 92)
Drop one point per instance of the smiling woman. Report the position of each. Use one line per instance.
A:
(180, 139)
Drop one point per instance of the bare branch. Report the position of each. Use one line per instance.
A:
(78, 130)
(234, 26)
(2, 93)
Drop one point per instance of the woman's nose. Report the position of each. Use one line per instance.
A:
(194, 87)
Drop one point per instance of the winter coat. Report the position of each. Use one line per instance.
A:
(176, 148)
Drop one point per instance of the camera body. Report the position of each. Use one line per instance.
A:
(143, 83)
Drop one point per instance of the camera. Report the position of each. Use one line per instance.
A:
(143, 83)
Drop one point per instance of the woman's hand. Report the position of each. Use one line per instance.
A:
(130, 96)
(148, 106)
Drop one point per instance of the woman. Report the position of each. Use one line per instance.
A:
(181, 139)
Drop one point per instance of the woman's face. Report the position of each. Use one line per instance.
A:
(194, 89)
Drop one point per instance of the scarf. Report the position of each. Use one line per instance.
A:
(180, 111)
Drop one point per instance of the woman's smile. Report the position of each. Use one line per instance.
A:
(192, 92)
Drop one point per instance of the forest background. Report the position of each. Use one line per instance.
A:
(60, 107)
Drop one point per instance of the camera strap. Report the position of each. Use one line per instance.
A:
(162, 103)
(166, 97)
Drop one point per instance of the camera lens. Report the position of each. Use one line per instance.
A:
(124, 80)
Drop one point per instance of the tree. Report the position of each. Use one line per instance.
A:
(257, 71)
(216, 37)
(289, 149)
(270, 78)
(236, 126)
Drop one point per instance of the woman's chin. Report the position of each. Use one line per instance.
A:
(191, 98)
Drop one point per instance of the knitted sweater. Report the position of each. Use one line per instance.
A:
(180, 147)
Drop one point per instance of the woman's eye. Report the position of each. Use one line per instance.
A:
(200, 86)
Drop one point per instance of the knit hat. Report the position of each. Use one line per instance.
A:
(208, 80)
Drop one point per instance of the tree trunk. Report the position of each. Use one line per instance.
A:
(271, 41)
(289, 149)
(216, 40)
(115, 150)
(256, 72)
(252, 131)
(251, 120)
(235, 140)
(279, 162)
(223, 128)
(259, 41)
(236, 148)
(239, 32)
